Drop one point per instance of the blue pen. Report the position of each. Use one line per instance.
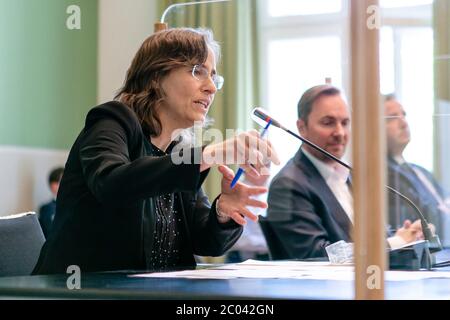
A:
(240, 170)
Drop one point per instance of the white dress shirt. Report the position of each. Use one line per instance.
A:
(336, 177)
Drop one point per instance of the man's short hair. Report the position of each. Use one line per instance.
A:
(310, 96)
(55, 175)
(389, 97)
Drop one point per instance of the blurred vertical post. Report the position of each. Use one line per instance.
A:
(441, 28)
(368, 151)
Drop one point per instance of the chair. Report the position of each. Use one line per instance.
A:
(21, 240)
(276, 249)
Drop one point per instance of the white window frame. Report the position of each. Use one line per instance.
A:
(290, 27)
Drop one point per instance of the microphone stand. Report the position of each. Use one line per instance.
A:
(433, 243)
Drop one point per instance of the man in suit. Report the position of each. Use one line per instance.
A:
(47, 210)
(310, 200)
(413, 181)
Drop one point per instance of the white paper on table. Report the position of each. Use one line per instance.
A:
(253, 269)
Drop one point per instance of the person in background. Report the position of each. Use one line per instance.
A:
(126, 201)
(310, 199)
(47, 211)
(412, 180)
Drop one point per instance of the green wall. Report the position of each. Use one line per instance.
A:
(48, 73)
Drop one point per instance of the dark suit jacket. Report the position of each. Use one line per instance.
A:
(46, 216)
(303, 212)
(408, 183)
(105, 214)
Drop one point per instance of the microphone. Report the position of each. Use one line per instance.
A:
(262, 115)
(434, 242)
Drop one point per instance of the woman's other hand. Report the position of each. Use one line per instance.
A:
(248, 150)
(233, 203)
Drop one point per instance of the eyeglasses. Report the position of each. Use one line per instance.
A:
(201, 73)
(395, 117)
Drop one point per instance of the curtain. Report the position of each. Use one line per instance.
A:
(234, 25)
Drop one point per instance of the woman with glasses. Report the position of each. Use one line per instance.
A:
(123, 202)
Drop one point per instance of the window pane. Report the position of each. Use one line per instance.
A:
(279, 8)
(295, 65)
(387, 62)
(403, 3)
(416, 92)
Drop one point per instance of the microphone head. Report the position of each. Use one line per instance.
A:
(261, 117)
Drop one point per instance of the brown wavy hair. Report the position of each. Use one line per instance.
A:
(158, 55)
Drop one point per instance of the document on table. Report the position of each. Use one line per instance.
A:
(253, 269)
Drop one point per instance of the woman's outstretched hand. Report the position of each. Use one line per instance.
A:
(233, 203)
